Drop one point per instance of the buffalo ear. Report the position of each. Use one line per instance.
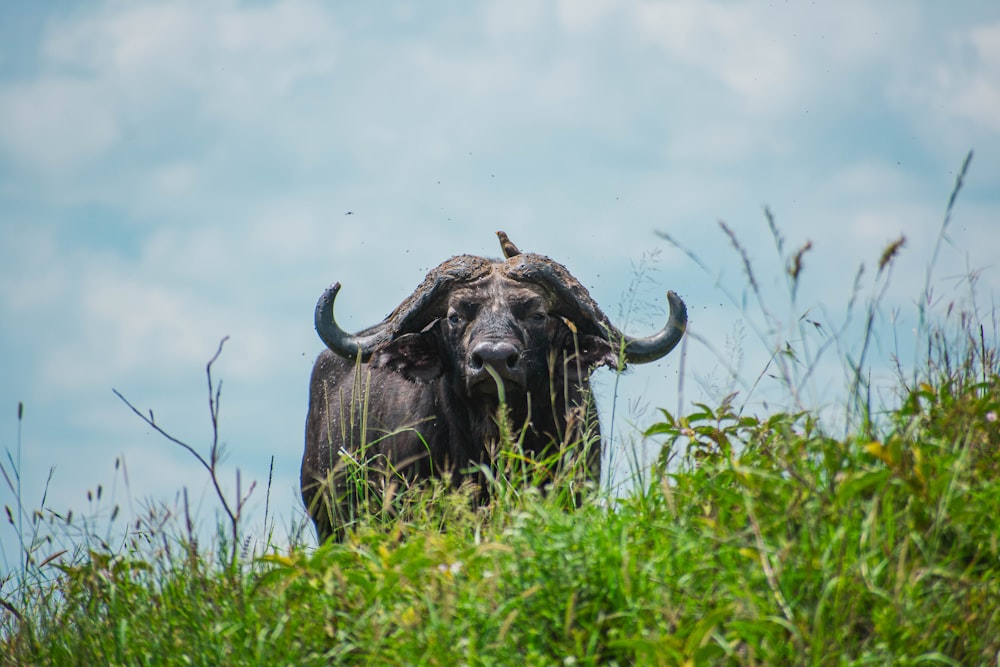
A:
(595, 351)
(590, 352)
(416, 356)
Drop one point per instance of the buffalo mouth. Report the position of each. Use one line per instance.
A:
(485, 384)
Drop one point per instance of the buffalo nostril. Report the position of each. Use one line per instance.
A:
(499, 355)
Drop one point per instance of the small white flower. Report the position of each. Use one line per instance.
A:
(452, 569)
(991, 416)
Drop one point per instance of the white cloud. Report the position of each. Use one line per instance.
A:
(720, 142)
(153, 48)
(122, 327)
(514, 18)
(175, 179)
(778, 58)
(106, 319)
(723, 42)
(950, 90)
(117, 77)
(144, 38)
(974, 93)
(38, 270)
(585, 15)
(55, 123)
(872, 181)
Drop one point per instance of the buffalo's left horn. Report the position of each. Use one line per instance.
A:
(338, 340)
(651, 348)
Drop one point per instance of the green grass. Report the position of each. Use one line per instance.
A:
(769, 544)
(756, 540)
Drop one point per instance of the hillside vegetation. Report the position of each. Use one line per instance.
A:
(770, 544)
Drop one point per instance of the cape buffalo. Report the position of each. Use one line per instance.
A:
(418, 394)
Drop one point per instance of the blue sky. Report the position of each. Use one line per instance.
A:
(176, 172)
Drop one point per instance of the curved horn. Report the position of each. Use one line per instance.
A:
(338, 340)
(416, 311)
(587, 315)
(651, 348)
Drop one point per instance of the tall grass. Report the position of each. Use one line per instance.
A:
(756, 539)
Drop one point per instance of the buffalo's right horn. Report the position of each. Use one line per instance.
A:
(338, 340)
(651, 348)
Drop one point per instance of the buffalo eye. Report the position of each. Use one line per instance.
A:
(529, 310)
